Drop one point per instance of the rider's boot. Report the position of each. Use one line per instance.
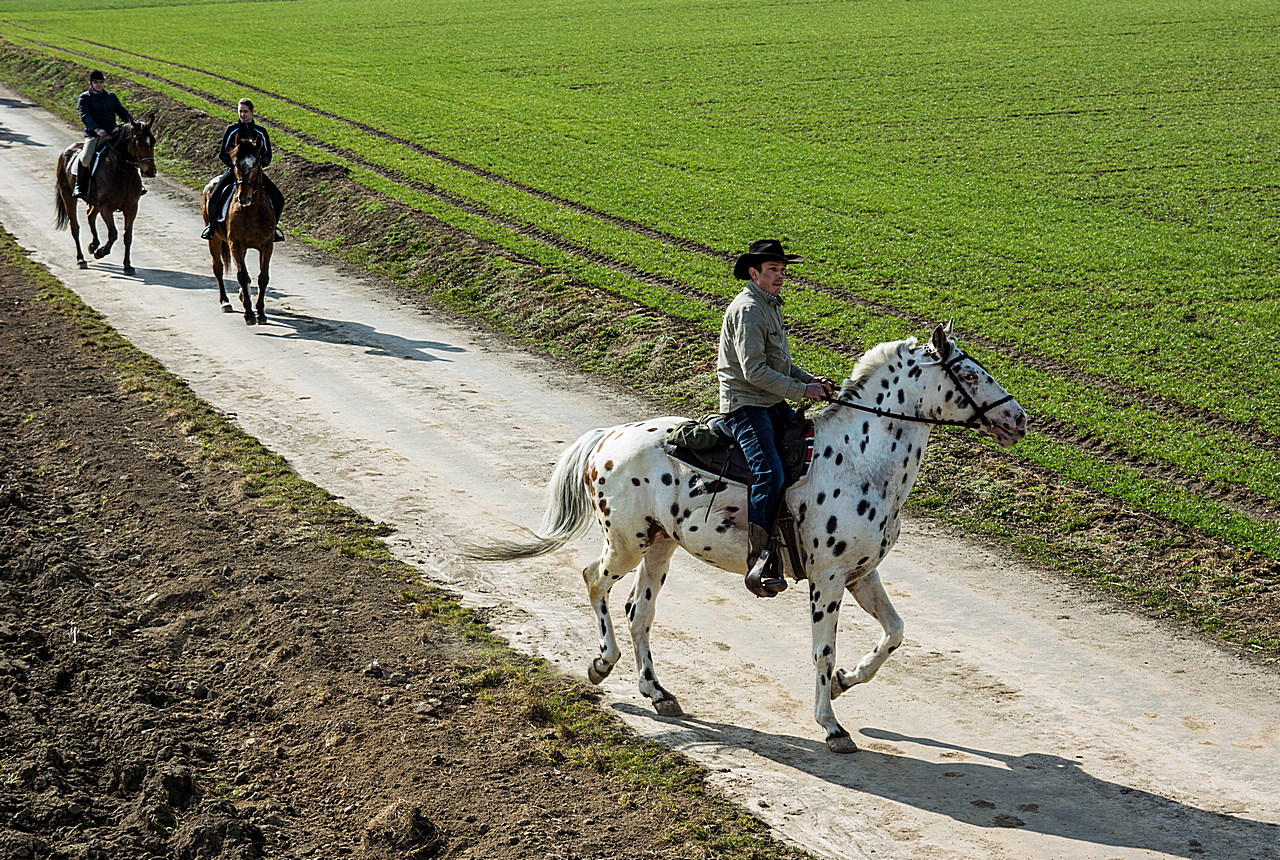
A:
(762, 579)
(82, 182)
(279, 235)
(144, 191)
(208, 230)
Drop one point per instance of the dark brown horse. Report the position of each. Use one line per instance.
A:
(115, 186)
(250, 223)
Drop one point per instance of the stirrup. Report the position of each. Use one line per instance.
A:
(208, 231)
(279, 236)
(764, 579)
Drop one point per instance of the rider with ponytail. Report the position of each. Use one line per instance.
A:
(234, 133)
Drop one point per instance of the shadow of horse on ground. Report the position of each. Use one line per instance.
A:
(1036, 792)
(374, 342)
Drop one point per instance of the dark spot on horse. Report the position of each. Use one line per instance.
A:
(648, 674)
(826, 454)
(717, 487)
(831, 607)
(864, 560)
(879, 399)
(871, 514)
(651, 430)
(635, 481)
(839, 459)
(686, 513)
(601, 481)
(862, 507)
(732, 509)
(831, 541)
(648, 594)
(884, 383)
(838, 549)
(835, 494)
(826, 650)
(693, 528)
(817, 616)
(815, 543)
(666, 478)
(831, 525)
(608, 465)
(606, 523)
(893, 447)
(863, 446)
(640, 535)
(948, 397)
(902, 396)
(822, 497)
(706, 549)
(675, 509)
(866, 427)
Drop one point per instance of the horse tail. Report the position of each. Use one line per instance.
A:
(60, 219)
(568, 513)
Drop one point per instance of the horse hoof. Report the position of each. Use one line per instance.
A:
(841, 743)
(248, 320)
(262, 319)
(668, 707)
(82, 264)
(597, 676)
(100, 253)
(129, 270)
(227, 309)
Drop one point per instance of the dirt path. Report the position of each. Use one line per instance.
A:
(1019, 719)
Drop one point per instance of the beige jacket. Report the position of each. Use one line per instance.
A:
(754, 366)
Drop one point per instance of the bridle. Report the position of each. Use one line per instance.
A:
(254, 187)
(127, 155)
(974, 422)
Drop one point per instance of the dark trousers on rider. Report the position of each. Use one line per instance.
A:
(218, 198)
(757, 430)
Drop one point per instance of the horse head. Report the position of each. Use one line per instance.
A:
(966, 392)
(246, 156)
(140, 143)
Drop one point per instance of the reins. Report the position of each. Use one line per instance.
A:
(978, 419)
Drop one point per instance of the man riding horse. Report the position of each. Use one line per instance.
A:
(98, 109)
(756, 377)
(235, 132)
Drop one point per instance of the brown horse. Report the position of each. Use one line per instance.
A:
(115, 186)
(250, 223)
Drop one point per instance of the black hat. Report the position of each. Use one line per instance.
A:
(762, 251)
(96, 75)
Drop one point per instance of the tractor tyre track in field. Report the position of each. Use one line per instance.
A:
(1249, 431)
(1237, 498)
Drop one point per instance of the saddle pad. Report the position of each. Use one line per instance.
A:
(796, 451)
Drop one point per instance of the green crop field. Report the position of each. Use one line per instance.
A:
(1089, 189)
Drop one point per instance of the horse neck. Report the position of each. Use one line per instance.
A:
(879, 444)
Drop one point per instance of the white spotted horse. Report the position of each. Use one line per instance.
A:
(868, 447)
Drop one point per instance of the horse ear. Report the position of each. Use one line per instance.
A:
(151, 118)
(941, 341)
(949, 331)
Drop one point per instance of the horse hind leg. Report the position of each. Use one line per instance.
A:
(112, 235)
(600, 577)
(640, 611)
(825, 593)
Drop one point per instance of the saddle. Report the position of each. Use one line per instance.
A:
(708, 445)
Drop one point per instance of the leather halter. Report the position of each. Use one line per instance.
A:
(977, 420)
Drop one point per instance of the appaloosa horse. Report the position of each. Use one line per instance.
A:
(114, 187)
(250, 223)
(868, 447)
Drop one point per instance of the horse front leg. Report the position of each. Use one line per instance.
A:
(129, 215)
(242, 277)
(869, 592)
(112, 234)
(70, 204)
(264, 277)
(640, 610)
(826, 590)
(91, 216)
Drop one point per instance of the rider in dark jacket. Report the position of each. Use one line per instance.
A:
(98, 110)
(246, 127)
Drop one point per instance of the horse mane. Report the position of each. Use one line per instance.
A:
(871, 361)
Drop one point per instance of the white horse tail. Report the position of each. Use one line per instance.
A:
(568, 513)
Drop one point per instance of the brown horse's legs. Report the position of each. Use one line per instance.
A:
(217, 250)
(70, 204)
(264, 277)
(130, 213)
(112, 234)
(242, 277)
(91, 215)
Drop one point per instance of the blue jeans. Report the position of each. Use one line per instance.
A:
(757, 430)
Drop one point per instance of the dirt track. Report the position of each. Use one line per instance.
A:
(1019, 720)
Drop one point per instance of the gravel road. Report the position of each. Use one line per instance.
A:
(1021, 719)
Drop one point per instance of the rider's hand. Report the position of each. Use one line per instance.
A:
(815, 390)
(100, 132)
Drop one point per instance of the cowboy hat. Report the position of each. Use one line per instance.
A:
(762, 251)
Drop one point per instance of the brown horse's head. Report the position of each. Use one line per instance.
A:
(246, 158)
(140, 143)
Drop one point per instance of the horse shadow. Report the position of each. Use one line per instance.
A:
(165, 278)
(1038, 792)
(9, 138)
(375, 343)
